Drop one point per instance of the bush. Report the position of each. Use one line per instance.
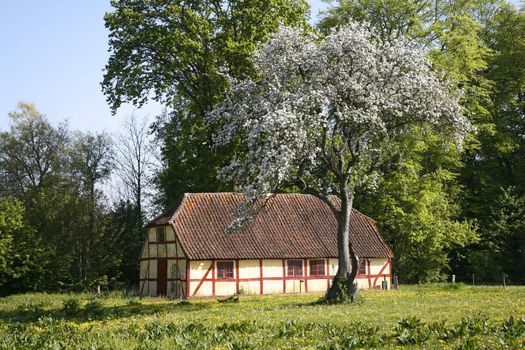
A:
(94, 309)
(71, 307)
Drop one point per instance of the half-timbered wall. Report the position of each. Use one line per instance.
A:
(256, 276)
(270, 276)
(170, 250)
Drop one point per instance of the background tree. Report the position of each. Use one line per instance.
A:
(137, 164)
(32, 152)
(176, 53)
(416, 206)
(91, 162)
(321, 116)
(453, 34)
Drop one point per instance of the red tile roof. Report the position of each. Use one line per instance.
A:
(290, 226)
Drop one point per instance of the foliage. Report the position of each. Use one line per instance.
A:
(503, 244)
(416, 210)
(56, 231)
(24, 256)
(416, 316)
(476, 43)
(321, 116)
(71, 307)
(176, 52)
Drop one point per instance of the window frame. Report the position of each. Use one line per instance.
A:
(317, 263)
(162, 231)
(361, 268)
(295, 269)
(224, 270)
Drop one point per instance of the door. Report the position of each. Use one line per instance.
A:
(162, 274)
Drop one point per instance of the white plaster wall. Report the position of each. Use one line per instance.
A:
(153, 269)
(171, 250)
(295, 286)
(225, 288)
(161, 250)
(180, 252)
(317, 285)
(249, 269)
(152, 250)
(152, 288)
(333, 265)
(204, 291)
(170, 235)
(273, 287)
(198, 269)
(249, 287)
(273, 268)
(152, 235)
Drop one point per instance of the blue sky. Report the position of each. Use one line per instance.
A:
(52, 54)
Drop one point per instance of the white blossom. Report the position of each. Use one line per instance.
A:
(321, 112)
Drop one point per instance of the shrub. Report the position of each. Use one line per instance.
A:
(71, 307)
(94, 309)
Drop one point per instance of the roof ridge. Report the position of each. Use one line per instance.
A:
(240, 193)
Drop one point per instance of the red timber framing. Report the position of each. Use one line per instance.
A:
(368, 273)
(327, 270)
(176, 274)
(201, 281)
(210, 276)
(261, 283)
(237, 276)
(284, 274)
(382, 274)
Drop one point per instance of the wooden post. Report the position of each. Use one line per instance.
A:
(504, 282)
(261, 288)
(453, 278)
(237, 277)
(284, 276)
(396, 282)
(473, 280)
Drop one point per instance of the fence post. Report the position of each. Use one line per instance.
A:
(396, 282)
(473, 280)
(504, 282)
(453, 278)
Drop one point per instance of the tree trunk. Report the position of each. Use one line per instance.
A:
(342, 287)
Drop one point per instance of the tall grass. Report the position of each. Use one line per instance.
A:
(435, 316)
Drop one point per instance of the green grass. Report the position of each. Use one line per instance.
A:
(433, 316)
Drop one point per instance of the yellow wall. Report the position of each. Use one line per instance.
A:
(249, 273)
(176, 269)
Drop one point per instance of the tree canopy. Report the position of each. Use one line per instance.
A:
(321, 116)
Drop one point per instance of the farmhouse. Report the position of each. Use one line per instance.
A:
(289, 247)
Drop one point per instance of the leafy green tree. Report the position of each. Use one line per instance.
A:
(32, 153)
(11, 219)
(91, 162)
(417, 204)
(499, 160)
(24, 257)
(129, 235)
(416, 208)
(177, 52)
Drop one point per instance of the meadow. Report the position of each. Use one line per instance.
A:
(452, 316)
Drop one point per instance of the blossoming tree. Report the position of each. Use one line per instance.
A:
(320, 116)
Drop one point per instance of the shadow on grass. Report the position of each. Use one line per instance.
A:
(96, 310)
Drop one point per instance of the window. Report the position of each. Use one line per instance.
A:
(295, 268)
(317, 267)
(362, 267)
(224, 269)
(161, 234)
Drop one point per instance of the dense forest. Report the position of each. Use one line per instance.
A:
(73, 204)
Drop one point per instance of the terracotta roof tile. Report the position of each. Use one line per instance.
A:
(291, 226)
